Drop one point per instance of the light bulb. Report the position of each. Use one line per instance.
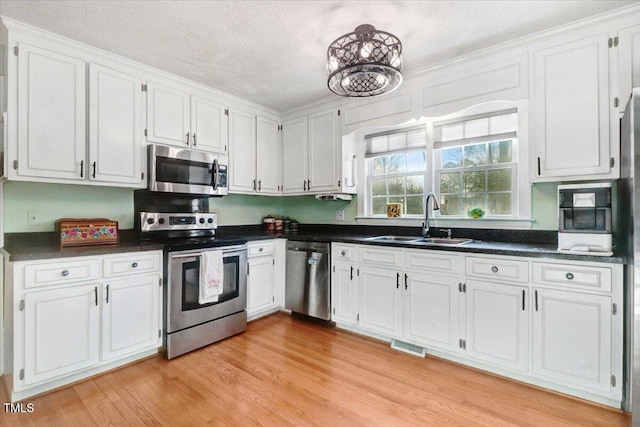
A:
(346, 81)
(380, 79)
(333, 63)
(366, 49)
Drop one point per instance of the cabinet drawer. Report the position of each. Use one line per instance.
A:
(66, 271)
(132, 263)
(573, 275)
(501, 269)
(259, 249)
(432, 260)
(344, 253)
(380, 257)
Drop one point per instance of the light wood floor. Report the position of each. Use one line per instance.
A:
(283, 371)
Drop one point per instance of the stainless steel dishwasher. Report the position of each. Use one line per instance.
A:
(307, 289)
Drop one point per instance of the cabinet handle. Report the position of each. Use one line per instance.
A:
(65, 273)
(308, 184)
(95, 291)
(494, 269)
(194, 139)
(536, 294)
(255, 188)
(351, 278)
(107, 297)
(538, 166)
(397, 280)
(134, 264)
(188, 133)
(569, 276)
(523, 293)
(259, 185)
(406, 278)
(93, 174)
(81, 168)
(304, 185)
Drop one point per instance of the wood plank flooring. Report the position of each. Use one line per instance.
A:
(284, 371)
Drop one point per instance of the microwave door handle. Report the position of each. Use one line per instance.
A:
(216, 174)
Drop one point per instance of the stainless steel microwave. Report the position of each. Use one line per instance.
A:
(178, 170)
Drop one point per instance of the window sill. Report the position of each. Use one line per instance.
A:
(484, 223)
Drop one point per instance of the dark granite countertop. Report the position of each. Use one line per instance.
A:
(535, 244)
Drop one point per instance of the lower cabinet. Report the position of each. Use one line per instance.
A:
(262, 279)
(75, 317)
(344, 293)
(380, 301)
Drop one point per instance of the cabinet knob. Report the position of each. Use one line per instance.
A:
(260, 249)
(569, 276)
(343, 253)
(65, 273)
(134, 264)
(494, 269)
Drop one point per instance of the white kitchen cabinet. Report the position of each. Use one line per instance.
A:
(497, 324)
(130, 315)
(52, 118)
(261, 278)
(573, 120)
(116, 148)
(312, 153)
(380, 301)
(61, 332)
(344, 284)
(432, 310)
(242, 152)
(572, 340)
(267, 155)
(177, 117)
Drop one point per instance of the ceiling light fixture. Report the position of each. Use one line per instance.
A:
(366, 62)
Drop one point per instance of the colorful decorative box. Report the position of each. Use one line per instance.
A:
(394, 210)
(86, 231)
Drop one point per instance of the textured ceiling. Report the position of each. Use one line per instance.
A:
(273, 52)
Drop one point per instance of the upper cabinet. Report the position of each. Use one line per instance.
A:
(176, 117)
(312, 153)
(268, 155)
(573, 129)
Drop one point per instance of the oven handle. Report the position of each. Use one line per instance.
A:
(216, 174)
(226, 251)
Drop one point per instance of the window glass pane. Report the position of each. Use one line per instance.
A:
(414, 205)
(450, 182)
(452, 132)
(473, 181)
(396, 186)
(397, 141)
(503, 124)
(378, 144)
(398, 163)
(379, 205)
(499, 180)
(451, 157)
(416, 161)
(450, 204)
(379, 165)
(475, 155)
(475, 128)
(379, 187)
(415, 184)
(417, 138)
(473, 201)
(500, 152)
(499, 203)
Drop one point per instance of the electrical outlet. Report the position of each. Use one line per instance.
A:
(33, 217)
(339, 215)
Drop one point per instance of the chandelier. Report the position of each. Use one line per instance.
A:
(366, 62)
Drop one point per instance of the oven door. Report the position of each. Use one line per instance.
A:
(183, 271)
(176, 170)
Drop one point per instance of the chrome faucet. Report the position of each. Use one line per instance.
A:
(436, 207)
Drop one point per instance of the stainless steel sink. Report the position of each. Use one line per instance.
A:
(442, 241)
(400, 239)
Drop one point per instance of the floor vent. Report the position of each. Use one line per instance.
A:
(408, 348)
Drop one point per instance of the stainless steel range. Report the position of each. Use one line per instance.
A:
(189, 238)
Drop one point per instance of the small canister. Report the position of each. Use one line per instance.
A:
(279, 225)
(287, 225)
(294, 226)
(269, 224)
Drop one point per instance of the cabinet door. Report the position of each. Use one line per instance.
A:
(209, 125)
(52, 106)
(497, 324)
(115, 127)
(268, 156)
(131, 315)
(381, 301)
(571, 107)
(572, 338)
(324, 151)
(168, 115)
(62, 332)
(432, 314)
(242, 152)
(344, 293)
(294, 155)
(260, 284)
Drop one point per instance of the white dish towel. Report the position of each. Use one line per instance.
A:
(211, 276)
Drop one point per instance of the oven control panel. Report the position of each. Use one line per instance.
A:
(164, 221)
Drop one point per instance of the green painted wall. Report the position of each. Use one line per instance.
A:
(53, 201)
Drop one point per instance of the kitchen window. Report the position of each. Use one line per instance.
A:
(396, 169)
